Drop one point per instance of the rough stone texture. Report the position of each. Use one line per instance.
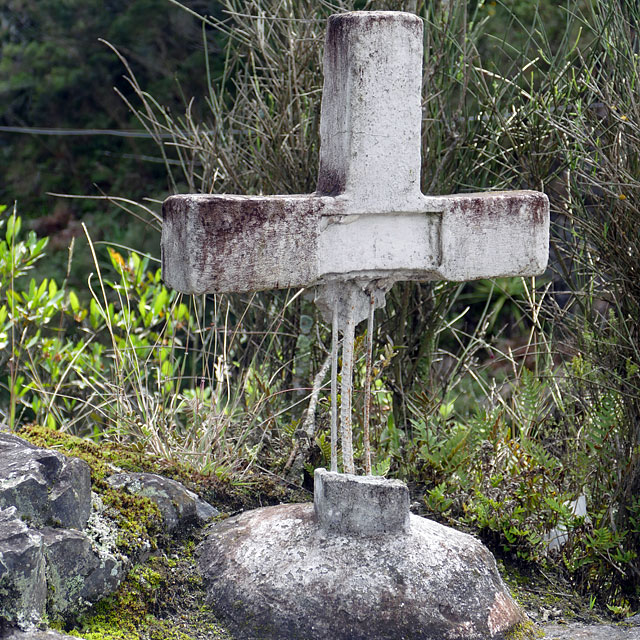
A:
(360, 505)
(204, 511)
(49, 634)
(486, 234)
(77, 575)
(223, 243)
(61, 571)
(179, 506)
(371, 110)
(368, 220)
(23, 589)
(578, 631)
(274, 573)
(45, 486)
(41, 567)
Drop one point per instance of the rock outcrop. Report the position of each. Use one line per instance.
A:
(76, 573)
(45, 487)
(23, 589)
(179, 506)
(49, 634)
(59, 542)
(50, 563)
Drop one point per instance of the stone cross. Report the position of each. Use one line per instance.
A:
(367, 225)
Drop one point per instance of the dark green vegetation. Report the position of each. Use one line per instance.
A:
(499, 402)
(58, 71)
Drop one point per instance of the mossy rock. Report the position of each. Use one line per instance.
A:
(162, 599)
(525, 631)
(107, 458)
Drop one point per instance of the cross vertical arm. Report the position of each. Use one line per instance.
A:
(371, 111)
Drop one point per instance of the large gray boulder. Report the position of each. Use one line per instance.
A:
(277, 573)
(77, 575)
(23, 588)
(179, 506)
(45, 487)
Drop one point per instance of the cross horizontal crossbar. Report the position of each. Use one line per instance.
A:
(216, 243)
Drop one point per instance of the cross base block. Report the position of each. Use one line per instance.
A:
(360, 505)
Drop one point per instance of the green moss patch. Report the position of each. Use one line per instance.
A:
(108, 458)
(524, 631)
(162, 599)
(104, 459)
(138, 518)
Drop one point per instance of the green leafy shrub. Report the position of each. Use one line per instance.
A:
(125, 360)
(516, 484)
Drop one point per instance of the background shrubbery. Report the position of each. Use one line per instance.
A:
(501, 402)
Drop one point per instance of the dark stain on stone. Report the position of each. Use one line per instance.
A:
(540, 208)
(475, 211)
(332, 174)
(240, 243)
(336, 41)
(174, 233)
(478, 209)
(331, 182)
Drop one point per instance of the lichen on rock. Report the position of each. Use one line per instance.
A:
(23, 589)
(77, 575)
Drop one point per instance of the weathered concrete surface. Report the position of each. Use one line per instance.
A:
(23, 588)
(239, 243)
(405, 245)
(45, 486)
(350, 297)
(367, 220)
(371, 111)
(179, 506)
(360, 505)
(487, 235)
(274, 573)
